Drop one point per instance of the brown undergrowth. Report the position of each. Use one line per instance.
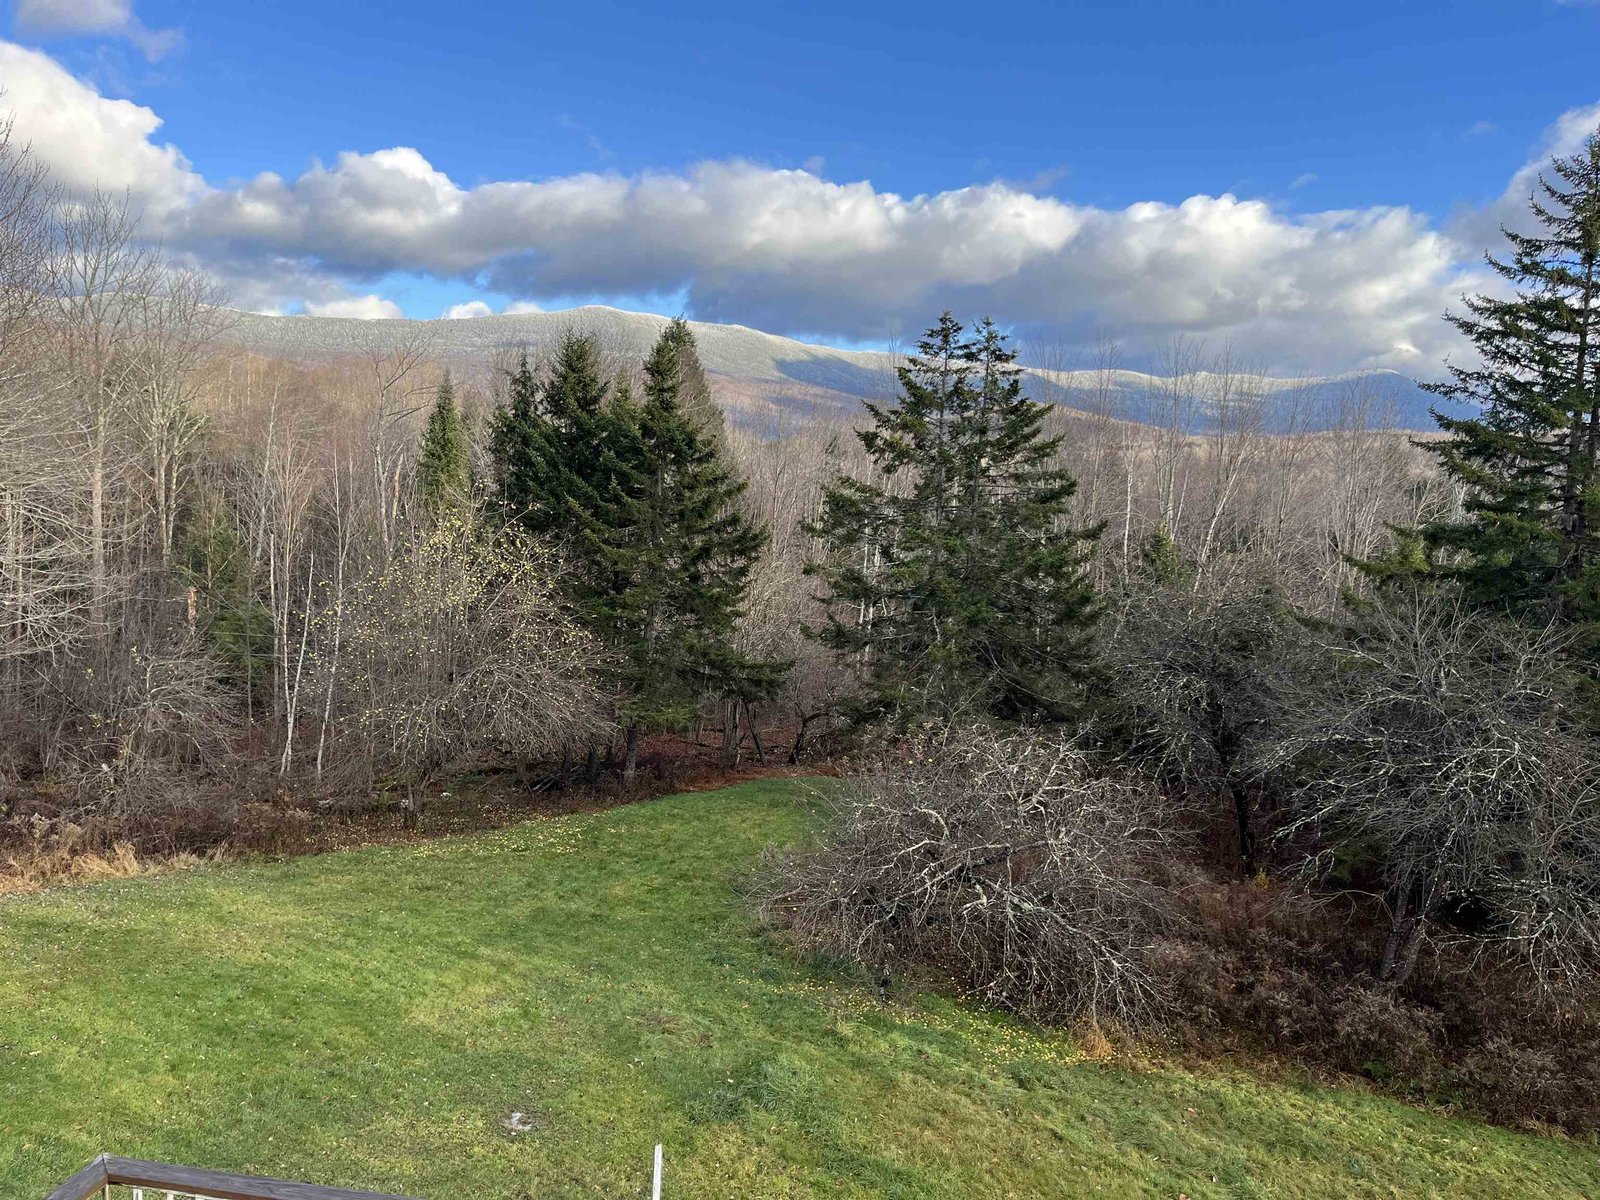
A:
(55, 833)
(1283, 979)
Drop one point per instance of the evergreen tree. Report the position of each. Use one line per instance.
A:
(215, 567)
(694, 389)
(516, 445)
(647, 512)
(575, 477)
(675, 549)
(962, 589)
(550, 440)
(1161, 563)
(1526, 542)
(442, 477)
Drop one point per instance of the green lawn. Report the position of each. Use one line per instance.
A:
(369, 1018)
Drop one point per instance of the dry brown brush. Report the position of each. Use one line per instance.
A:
(1007, 859)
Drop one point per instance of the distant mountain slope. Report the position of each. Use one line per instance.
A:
(1308, 404)
(762, 376)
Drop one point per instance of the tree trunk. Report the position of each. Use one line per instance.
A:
(1243, 812)
(800, 735)
(755, 735)
(630, 757)
(731, 739)
(1405, 938)
(98, 587)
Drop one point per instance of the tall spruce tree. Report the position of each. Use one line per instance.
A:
(958, 585)
(442, 467)
(694, 389)
(675, 548)
(550, 441)
(517, 437)
(1527, 539)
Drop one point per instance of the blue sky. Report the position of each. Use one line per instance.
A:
(1078, 113)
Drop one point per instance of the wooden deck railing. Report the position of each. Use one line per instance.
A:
(167, 1182)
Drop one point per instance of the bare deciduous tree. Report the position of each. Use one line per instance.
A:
(1193, 690)
(1436, 750)
(458, 645)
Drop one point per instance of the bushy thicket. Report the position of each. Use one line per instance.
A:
(1013, 862)
(457, 647)
(1366, 842)
(1436, 756)
(1277, 970)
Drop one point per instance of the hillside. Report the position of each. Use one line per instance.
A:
(762, 374)
(373, 1018)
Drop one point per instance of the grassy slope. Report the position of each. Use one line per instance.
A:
(368, 1018)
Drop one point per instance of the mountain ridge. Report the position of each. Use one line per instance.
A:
(768, 374)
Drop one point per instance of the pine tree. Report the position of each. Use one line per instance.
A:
(676, 550)
(1160, 562)
(962, 590)
(1526, 542)
(214, 565)
(517, 439)
(550, 441)
(647, 512)
(694, 389)
(442, 477)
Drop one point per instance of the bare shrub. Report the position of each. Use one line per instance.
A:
(459, 645)
(1192, 692)
(1384, 1036)
(1435, 755)
(161, 703)
(1533, 1076)
(1008, 859)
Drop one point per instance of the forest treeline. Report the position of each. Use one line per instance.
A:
(1275, 736)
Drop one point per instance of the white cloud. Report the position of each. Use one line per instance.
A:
(362, 308)
(113, 18)
(786, 250)
(90, 140)
(1478, 230)
(481, 308)
(789, 251)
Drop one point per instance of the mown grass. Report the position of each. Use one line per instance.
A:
(370, 1018)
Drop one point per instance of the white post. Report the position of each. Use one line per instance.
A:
(655, 1186)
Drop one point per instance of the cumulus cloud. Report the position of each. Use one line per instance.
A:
(111, 18)
(481, 308)
(90, 140)
(784, 249)
(362, 308)
(790, 251)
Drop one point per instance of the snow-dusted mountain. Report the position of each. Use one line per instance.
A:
(762, 377)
